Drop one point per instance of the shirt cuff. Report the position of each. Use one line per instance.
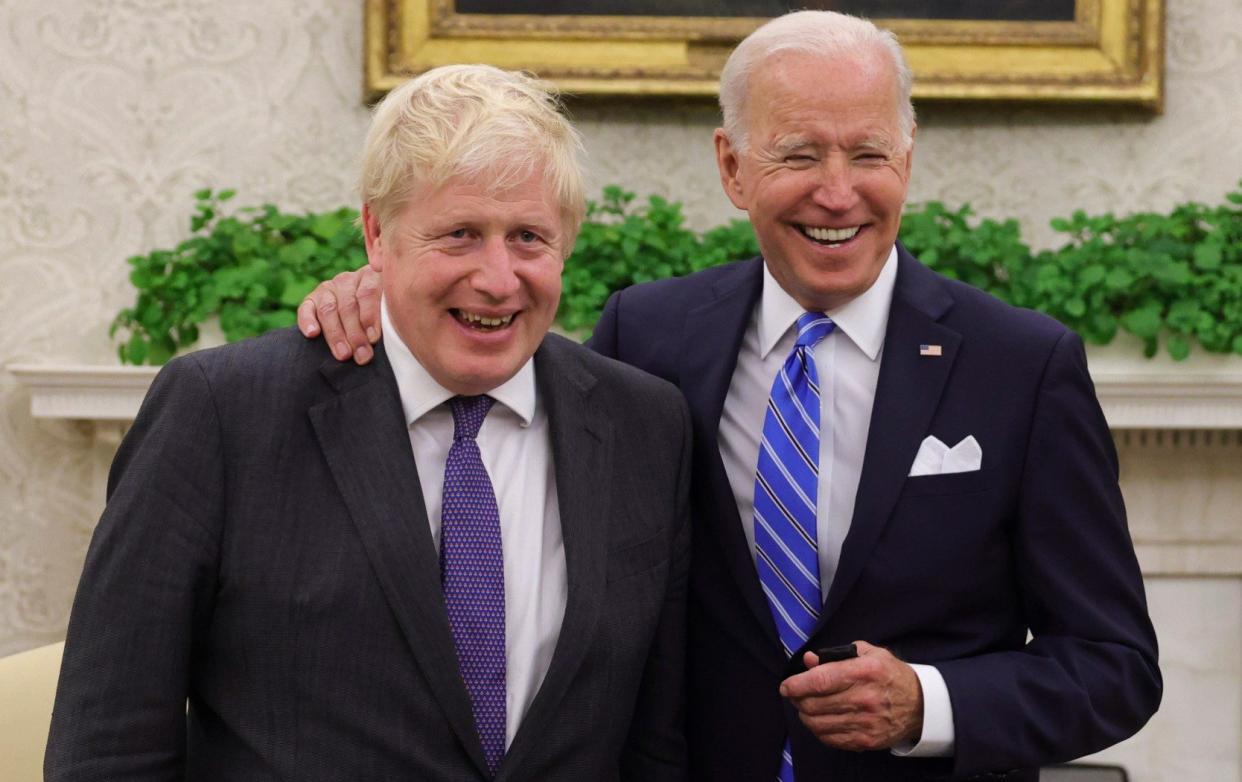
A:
(937, 738)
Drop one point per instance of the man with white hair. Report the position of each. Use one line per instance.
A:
(883, 457)
(466, 560)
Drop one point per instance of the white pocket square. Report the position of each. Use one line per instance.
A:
(936, 458)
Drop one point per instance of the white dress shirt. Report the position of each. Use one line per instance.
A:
(517, 452)
(848, 364)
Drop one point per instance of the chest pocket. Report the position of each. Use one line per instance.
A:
(953, 483)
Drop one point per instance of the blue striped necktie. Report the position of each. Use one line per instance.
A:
(786, 492)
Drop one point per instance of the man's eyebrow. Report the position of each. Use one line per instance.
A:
(876, 141)
(789, 144)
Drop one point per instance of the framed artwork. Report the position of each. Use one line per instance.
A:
(1108, 51)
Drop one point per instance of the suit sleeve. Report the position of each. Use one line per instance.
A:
(145, 594)
(604, 339)
(655, 749)
(1089, 676)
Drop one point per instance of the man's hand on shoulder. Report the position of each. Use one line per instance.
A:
(346, 310)
(871, 702)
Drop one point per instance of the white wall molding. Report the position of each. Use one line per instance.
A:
(1135, 394)
(1178, 433)
(1203, 391)
(1153, 400)
(1189, 558)
(85, 392)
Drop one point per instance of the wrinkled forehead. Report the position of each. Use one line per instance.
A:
(791, 88)
(841, 72)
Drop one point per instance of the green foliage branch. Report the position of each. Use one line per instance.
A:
(1175, 277)
(621, 244)
(251, 267)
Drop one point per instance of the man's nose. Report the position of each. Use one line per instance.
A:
(496, 275)
(836, 190)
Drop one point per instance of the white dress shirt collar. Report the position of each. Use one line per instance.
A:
(421, 393)
(863, 319)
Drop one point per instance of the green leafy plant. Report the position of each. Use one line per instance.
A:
(251, 267)
(1176, 276)
(621, 244)
(987, 254)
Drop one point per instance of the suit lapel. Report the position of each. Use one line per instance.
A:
(368, 452)
(906, 396)
(582, 455)
(713, 337)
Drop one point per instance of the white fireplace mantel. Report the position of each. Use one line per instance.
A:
(85, 392)
(1178, 427)
(1203, 393)
(1151, 400)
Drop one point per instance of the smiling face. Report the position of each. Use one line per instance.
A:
(471, 278)
(824, 172)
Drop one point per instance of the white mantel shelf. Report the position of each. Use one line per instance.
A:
(1155, 401)
(85, 392)
(1181, 484)
(1157, 395)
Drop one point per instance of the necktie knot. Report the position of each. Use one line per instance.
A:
(812, 328)
(468, 415)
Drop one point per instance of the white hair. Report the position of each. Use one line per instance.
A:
(472, 121)
(822, 33)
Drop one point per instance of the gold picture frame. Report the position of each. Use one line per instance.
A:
(1112, 51)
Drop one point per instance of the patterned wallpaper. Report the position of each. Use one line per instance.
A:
(113, 111)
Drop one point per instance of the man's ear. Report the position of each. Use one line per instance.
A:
(374, 242)
(910, 152)
(729, 164)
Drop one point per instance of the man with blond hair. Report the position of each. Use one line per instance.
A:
(466, 560)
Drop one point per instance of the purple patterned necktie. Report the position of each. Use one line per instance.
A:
(472, 574)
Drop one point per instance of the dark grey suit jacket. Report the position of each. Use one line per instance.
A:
(265, 553)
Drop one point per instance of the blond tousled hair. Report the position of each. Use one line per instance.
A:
(472, 121)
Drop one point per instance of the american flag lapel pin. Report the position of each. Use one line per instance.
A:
(929, 350)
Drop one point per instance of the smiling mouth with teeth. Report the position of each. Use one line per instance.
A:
(829, 236)
(480, 322)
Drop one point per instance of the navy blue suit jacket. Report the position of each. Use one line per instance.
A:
(950, 570)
